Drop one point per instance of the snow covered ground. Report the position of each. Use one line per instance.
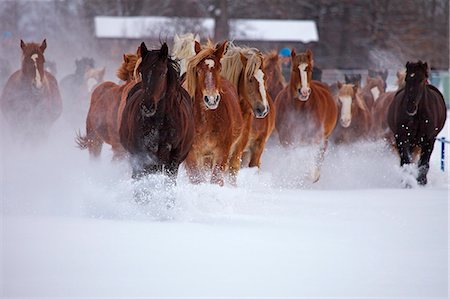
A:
(70, 228)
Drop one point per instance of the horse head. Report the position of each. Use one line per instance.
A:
(353, 79)
(254, 83)
(204, 73)
(375, 85)
(33, 62)
(301, 74)
(347, 98)
(416, 78)
(153, 70)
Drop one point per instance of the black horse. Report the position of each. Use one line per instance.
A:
(416, 116)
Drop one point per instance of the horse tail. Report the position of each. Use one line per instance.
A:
(82, 141)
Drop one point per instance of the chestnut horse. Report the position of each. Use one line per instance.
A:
(355, 118)
(243, 67)
(183, 49)
(157, 127)
(379, 74)
(306, 110)
(31, 101)
(416, 116)
(380, 127)
(102, 119)
(372, 90)
(274, 76)
(218, 117)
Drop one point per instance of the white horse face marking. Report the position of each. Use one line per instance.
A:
(304, 91)
(346, 111)
(210, 63)
(37, 79)
(375, 92)
(259, 76)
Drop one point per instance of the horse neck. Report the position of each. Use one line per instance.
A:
(244, 100)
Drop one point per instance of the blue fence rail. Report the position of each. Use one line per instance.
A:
(443, 141)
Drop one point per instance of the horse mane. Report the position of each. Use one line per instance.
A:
(191, 73)
(183, 47)
(232, 66)
(126, 72)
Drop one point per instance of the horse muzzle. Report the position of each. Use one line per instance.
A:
(303, 93)
(212, 102)
(148, 111)
(261, 111)
(345, 122)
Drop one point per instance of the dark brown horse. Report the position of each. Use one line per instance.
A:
(30, 101)
(157, 127)
(355, 117)
(416, 116)
(218, 118)
(102, 119)
(274, 76)
(306, 110)
(243, 67)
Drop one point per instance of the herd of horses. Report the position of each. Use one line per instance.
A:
(213, 107)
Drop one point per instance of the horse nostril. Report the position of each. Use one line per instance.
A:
(206, 99)
(217, 98)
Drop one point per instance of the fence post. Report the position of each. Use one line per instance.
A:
(443, 153)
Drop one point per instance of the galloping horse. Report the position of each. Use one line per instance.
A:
(30, 100)
(243, 67)
(218, 118)
(183, 49)
(274, 76)
(102, 120)
(355, 117)
(372, 90)
(379, 74)
(353, 79)
(306, 110)
(380, 127)
(416, 116)
(157, 127)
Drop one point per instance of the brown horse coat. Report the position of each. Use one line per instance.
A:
(274, 76)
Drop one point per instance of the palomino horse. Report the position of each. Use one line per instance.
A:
(306, 110)
(355, 118)
(30, 101)
(380, 128)
(274, 77)
(102, 120)
(416, 116)
(157, 127)
(243, 67)
(218, 117)
(372, 90)
(183, 49)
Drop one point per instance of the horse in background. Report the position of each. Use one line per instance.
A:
(75, 91)
(306, 110)
(243, 67)
(373, 88)
(217, 115)
(157, 127)
(353, 79)
(380, 128)
(274, 77)
(31, 101)
(102, 120)
(416, 116)
(94, 77)
(183, 49)
(355, 118)
(379, 74)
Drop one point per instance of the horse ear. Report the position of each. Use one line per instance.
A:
(144, 50)
(125, 58)
(339, 84)
(197, 47)
(358, 77)
(164, 52)
(346, 78)
(385, 74)
(102, 72)
(138, 51)
(293, 53)
(22, 44)
(197, 37)
(355, 88)
(43, 45)
(407, 64)
(309, 54)
(243, 59)
(220, 49)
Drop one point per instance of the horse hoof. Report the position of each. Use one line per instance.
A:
(315, 175)
(422, 181)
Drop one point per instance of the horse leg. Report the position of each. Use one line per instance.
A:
(424, 163)
(171, 170)
(257, 150)
(193, 170)
(219, 166)
(318, 161)
(95, 144)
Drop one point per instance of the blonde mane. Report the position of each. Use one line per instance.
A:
(183, 49)
(191, 73)
(232, 66)
(127, 71)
